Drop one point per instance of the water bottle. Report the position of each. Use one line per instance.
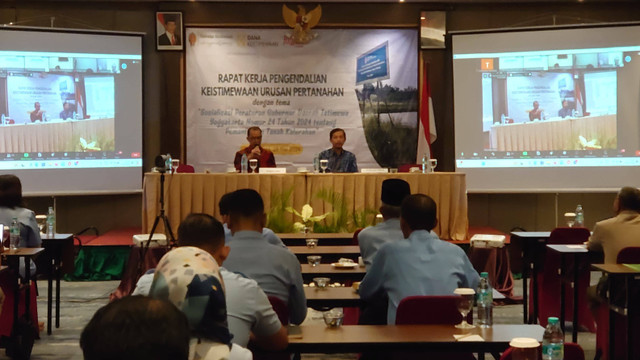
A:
(425, 163)
(553, 341)
(316, 163)
(579, 216)
(503, 119)
(167, 163)
(485, 301)
(244, 164)
(2, 119)
(14, 234)
(51, 222)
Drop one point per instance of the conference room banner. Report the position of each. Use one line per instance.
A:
(361, 80)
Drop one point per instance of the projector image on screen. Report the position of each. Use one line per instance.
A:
(543, 109)
(71, 108)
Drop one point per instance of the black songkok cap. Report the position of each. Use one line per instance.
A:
(394, 191)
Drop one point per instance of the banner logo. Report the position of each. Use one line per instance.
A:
(301, 23)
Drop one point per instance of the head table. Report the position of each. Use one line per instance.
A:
(186, 193)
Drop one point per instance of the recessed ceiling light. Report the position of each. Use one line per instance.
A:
(423, 18)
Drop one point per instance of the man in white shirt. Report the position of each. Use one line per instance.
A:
(249, 312)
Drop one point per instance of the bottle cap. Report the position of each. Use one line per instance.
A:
(524, 343)
(553, 320)
(464, 291)
(484, 274)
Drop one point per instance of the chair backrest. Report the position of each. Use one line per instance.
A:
(572, 351)
(566, 235)
(281, 309)
(629, 255)
(184, 168)
(354, 240)
(430, 310)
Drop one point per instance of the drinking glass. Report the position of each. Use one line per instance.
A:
(174, 165)
(432, 164)
(323, 165)
(253, 164)
(570, 218)
(465, 303)
(314, 260)
(525, 349)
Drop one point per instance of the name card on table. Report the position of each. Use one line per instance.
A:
(276, 170)
(374, 171)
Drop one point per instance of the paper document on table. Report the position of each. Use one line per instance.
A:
(581, 246)
(468, 337)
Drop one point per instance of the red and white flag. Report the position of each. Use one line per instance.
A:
(427, 127)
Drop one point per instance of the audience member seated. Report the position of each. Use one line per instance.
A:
(276, 269)
(267, 233)
(372, 238)
(136, 328)
(249, 312)
(614, 234)
(189, 278)
(420, 265)
(12, 206)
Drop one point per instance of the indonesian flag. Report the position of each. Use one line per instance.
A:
(579, 98)
(427, 128)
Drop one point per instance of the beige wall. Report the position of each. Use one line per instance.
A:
(163, 83)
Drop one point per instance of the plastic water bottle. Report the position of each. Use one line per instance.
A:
(167, 163)
(14, 234)
(503, 119)
(425, 163)
(553, 341)
(485, 301)
(3, 119)
(244, 164)
(316, 163)
(51, 222)
(579, 216)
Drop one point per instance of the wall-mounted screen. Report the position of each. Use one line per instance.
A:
(548, 109)
(71, 110)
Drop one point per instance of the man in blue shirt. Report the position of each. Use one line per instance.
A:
(274, 268)
(420, 265)
(267, 233)
(373, 237)
(249, 313)
(340, 160)
(67, 112)
(566, 110)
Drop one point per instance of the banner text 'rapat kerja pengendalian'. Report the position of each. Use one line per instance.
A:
(252, 78)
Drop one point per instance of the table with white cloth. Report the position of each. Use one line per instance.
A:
(186, 193)
(556, 134)
(56, 136)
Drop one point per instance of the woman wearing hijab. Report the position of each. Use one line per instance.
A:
(189, 278)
